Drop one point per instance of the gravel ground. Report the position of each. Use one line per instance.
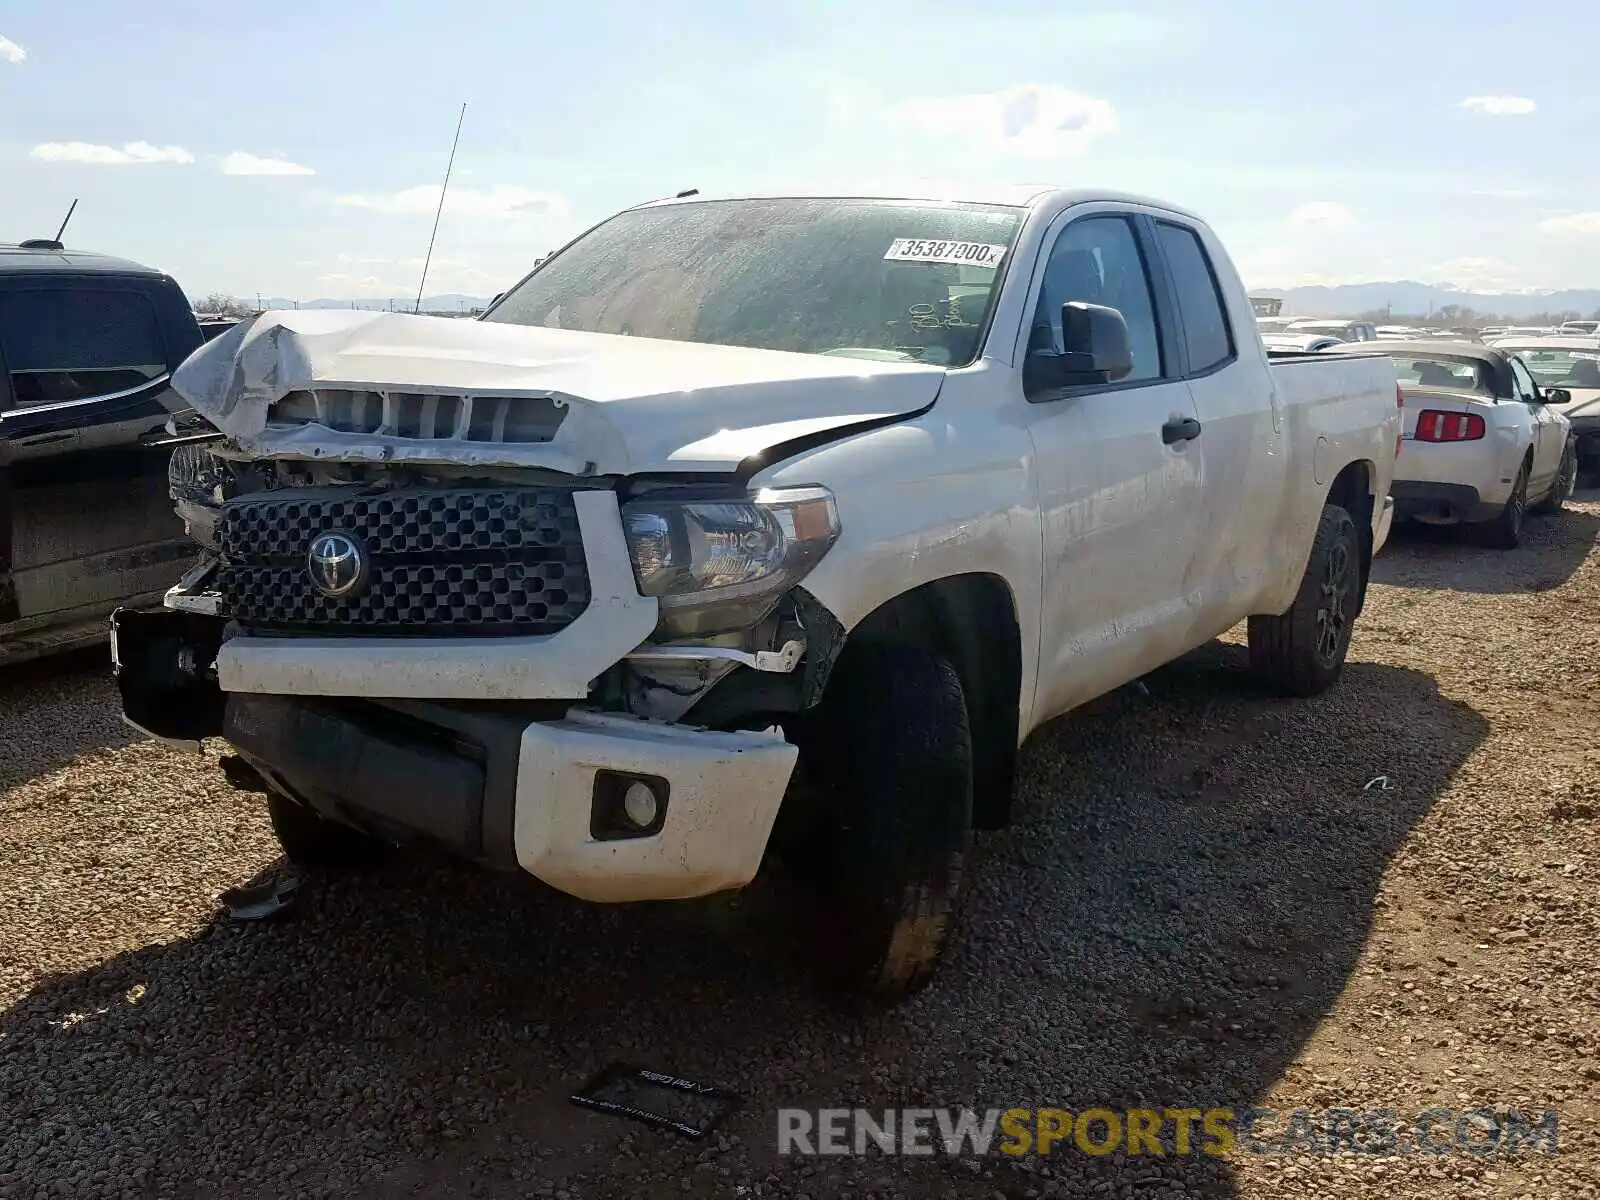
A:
(1201, 905)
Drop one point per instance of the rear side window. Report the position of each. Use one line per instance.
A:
(1205, 325)
(62, 345)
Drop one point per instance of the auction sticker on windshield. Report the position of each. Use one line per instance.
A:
(962, 254)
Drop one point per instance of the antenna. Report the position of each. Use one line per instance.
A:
(67, 218)
(423, 282)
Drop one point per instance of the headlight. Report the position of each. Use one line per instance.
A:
(721, 565)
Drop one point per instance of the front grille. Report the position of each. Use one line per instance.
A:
(509, 420)
(498, 561)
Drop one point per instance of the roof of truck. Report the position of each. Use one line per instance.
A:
(15, 259)
(1008, 195)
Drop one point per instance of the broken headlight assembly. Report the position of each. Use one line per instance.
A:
(722, 565)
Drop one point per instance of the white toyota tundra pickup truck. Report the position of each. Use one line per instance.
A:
(749, 525)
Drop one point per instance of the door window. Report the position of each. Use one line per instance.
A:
(1526, 388)
(77, 344)
(1205, 324)
(1097, 260)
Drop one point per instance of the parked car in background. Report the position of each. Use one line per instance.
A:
(1481, 437)
(1273, 324)
(213, 325)
(1580, 328)
(654, 555)
(1573, 365)
(88, 345)
(1290, 343)
(1345, 331)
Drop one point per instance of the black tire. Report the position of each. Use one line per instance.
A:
(315, 843)
(1301, 652)
(1564, 484)
(886, 856)
(1505, 531)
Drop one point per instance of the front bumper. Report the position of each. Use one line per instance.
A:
(530, 786)
(532, 794)
(1586, 438)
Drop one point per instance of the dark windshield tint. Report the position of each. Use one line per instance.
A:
(852, 277)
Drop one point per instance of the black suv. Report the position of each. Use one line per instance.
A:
(88, 345)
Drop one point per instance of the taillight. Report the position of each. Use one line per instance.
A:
(1435, 426)
(1400, 403)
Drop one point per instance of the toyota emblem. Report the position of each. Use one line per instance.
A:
(337, 565)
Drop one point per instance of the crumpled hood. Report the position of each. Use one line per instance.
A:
(624, 405)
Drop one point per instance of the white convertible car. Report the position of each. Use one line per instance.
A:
(1481, 437)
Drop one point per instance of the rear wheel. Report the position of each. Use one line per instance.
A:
(887, 845)
(313, 842)
(1565, 483)
(1505, 531)
(1302, 651)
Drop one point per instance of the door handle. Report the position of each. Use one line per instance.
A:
(1185, 429)
(43, 439)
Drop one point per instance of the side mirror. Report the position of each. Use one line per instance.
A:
(1095, 350)
(1557, 396)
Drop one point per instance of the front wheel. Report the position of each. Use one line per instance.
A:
(1566, 482)
(887, 850)
(1302, 651)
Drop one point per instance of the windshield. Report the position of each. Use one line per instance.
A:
(1559, 368)
(862, 278)
(1454, 374)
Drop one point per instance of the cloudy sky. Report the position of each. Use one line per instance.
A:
(295, 148)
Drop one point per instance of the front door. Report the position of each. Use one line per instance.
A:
(1119, 476)
(1549, 438)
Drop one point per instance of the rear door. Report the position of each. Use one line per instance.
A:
(85, 520)
(1237, 548)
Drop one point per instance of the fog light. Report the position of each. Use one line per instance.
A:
(628, 806)
(639, 805)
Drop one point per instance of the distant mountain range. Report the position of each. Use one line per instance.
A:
(1406, 298)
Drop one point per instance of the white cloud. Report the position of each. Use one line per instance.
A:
(1585, 224)
(1038, 120)
(1326, 213)
(504, 200)
(11, 52)
(132, 152)
(1500, 106)
(240, 163)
